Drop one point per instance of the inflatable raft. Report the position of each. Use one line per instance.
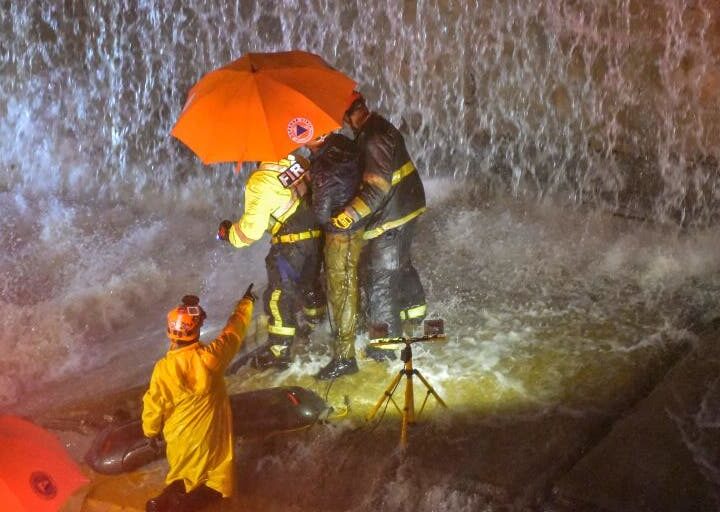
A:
(122, 447)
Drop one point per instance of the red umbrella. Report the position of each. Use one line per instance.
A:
(262, 106)
(36, 472)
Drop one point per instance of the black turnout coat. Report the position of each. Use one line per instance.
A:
(335, 178)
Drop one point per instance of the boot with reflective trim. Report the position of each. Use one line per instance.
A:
(337, 367)
(276, 355)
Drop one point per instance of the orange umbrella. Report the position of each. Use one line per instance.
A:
(36, 473)
(262, 106)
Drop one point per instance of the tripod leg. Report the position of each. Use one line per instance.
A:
(430, 388)
(408, 416)
(387, 395)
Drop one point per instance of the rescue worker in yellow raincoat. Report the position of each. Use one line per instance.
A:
(188, 403)
(389, 200)
(277, 200)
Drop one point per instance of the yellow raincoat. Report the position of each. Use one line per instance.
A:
(188, 401)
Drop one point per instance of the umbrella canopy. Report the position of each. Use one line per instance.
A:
(36, 473)
(262, 106)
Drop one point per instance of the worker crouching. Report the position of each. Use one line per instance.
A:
(276, 200)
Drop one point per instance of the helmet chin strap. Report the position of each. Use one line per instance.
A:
(176, 344)
(357, 124)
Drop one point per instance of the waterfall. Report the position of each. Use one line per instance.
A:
(612, 103)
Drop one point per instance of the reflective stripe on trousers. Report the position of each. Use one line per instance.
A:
(291, 269)
(392, 283)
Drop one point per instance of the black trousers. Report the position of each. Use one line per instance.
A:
(175, 499)
(392, 284)
(293, 271)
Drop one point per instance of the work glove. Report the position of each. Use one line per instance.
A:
(342, 221)
(223, 232)
(249, 293)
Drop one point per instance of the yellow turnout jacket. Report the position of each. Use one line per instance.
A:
(187, 401)
(268, 201)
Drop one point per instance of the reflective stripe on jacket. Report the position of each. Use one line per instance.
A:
(392, 192)
(187, 401)
(269, 203)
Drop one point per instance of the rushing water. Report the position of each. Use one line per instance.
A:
(554, 112)
(595, 99)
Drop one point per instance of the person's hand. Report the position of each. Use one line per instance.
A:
(223, 232)
(155, 444)
(249, 293)
(342, 221)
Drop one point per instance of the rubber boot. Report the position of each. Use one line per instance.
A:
(276, 354)
(170, 500)
(199, 498)
(338, 367)
(313, 310)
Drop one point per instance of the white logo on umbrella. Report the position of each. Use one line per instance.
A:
(300, 130)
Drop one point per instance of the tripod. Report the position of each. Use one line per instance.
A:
(408, 410)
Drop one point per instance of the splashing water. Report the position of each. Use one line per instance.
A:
(534, 118)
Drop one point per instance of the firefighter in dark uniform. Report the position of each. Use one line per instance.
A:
(335, 178)
(390, 198)
(277, 200)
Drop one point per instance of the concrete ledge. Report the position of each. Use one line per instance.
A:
(644, 464)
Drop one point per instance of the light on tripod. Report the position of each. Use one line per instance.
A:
(378, 331)
(434, 330)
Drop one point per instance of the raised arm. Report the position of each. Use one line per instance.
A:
(225, 346)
